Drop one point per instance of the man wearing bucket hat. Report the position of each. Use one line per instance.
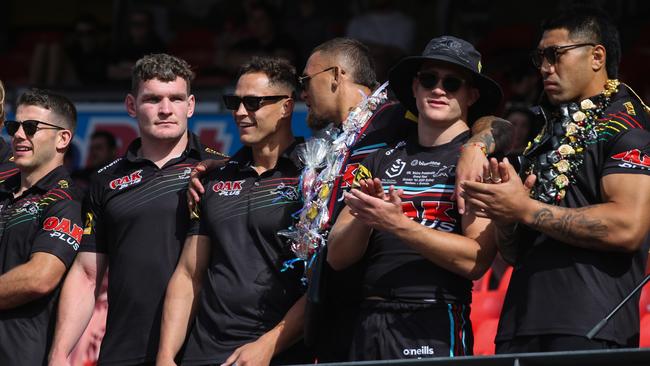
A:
(420, 255)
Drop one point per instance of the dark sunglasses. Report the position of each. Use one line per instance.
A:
(552, 53)
(30, 127)
(303, 81)
(251, 103)
(450, 84)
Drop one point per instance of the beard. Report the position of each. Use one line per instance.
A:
(316, 123)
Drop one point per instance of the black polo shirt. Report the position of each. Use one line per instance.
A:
(45, 218)
(136, 214)
(557, 288)
(427, 176)
(246, 292)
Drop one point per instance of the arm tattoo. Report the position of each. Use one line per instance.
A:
(495, 133)
(570, 224)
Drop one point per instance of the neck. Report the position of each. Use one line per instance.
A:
(350, 98)
(267, 153)
(30, 177)
(161, 151)
(595, 88)
(436, 133)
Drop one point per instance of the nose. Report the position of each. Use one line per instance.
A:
(546, 67)
(241, 110)
(165, 106)
(20, 133)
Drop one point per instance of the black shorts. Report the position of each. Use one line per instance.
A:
(552, 343)
(394, 330)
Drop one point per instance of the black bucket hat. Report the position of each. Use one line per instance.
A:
(454, 51)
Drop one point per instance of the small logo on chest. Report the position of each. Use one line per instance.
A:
(396, 169)
(127, 180)
(228, 188)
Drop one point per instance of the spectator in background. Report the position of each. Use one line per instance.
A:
(81, 59)
(386, 31)
(102, 149)
(262, 37)
(522, 120)
(139, 40)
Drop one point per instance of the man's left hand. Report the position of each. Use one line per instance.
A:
(258, 353)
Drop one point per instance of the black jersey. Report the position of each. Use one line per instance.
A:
(390, 124)
(136, 214)
(557, 288)
(246, 292)
(45, 218)
(427, 176)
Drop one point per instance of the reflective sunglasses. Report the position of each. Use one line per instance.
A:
(30, 127)
(552, 53)
(450, 84)
(251, 103)
(303, 81)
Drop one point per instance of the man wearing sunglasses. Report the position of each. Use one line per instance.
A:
(420, 255)
(230, 294)
(41, 231)
(136, 220)
(579, 238)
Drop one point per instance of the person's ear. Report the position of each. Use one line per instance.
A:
(129, 102)
(63, 139)
(599, 54)
(287, 107)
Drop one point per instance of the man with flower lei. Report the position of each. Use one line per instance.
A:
(576, 228)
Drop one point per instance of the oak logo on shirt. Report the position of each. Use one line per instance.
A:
(127, 180)
(64, 230)
(634, 159)
(228, 188)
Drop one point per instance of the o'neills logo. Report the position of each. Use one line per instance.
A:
(127, 180)
(422, 351)
(228, 188)
(65, 230)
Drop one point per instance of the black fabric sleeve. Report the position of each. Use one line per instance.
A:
(60, 230)
(93, 235)
(629, 153)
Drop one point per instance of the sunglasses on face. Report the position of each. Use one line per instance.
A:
(251, 103)
(450, 84)
(30, 127)
(552, 53)
(303, 81)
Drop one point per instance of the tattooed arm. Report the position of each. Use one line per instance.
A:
(494, 132)
(619, 224)
(491, 132)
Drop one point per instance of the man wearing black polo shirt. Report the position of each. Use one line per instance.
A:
(40, 226)
(136, 220)
(420, 255)
(229, 294)
(579, 238)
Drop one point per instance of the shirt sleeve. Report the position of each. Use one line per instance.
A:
(60, 230)
(93, 233)
(629, 153)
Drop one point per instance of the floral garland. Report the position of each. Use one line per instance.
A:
(574, 128)
(323, 159)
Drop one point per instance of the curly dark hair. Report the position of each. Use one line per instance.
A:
(278, 70)
(160, 66)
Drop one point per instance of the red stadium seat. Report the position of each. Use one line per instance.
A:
(644, 302)
(484, 337)
(645, 331)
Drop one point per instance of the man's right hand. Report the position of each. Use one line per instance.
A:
(195, 188)
(57, 359)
